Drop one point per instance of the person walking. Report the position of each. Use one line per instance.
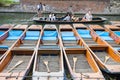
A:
(39, 9)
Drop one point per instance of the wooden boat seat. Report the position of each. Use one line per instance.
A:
(49, 47)
(6, 44)
(29, 42)
(74, 46)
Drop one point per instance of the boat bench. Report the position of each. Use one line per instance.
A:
(14, 34)
(49, 47)
(32, 35)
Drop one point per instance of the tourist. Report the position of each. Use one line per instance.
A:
(40, 9)
(53, 17)
(73, 18)
(88, 16)
(67, 17)
(50, 17)
(44, 7)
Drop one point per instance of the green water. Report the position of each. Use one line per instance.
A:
(24, 18)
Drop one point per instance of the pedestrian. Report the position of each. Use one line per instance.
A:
(40, 9)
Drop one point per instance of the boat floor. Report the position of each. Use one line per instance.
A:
(82, 65)
(8, 42)
(53, 62)
(101, 55)
(15, 59)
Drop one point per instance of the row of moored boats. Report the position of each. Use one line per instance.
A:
(86, 51)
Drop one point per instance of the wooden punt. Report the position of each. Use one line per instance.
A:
(49, 51)
(115, 23)
(16, 64)
(9, 38)
(108, 39)
(30, 38)
(60, 21)
(106, 57)
(86, 68)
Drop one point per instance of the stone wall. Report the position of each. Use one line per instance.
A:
(67, 5)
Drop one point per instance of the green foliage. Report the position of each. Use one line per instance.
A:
(7, 2)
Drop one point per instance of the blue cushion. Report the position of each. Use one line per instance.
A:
(117, 33)
(117, 48)
(67, 33)
(32, 33)
(86, 36)
(1, 32)
(81, 31)
(31, 38)
(15, 32)
(69, 38)
(106, 37)
(50, 33)
(3, 47)
(12, 38)
(102, 33)
(49, 38)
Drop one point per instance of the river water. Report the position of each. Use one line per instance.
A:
(26, 18)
